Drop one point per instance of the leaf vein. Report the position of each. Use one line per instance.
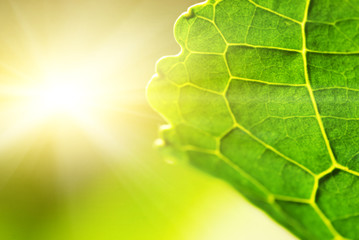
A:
(274, 12)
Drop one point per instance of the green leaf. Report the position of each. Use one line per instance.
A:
(265, 95)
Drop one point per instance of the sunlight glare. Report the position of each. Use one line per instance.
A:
(72, 83)
(63, 96)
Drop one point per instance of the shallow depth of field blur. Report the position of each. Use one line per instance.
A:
(78, 162)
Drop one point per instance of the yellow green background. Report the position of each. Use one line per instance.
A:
(61, 181)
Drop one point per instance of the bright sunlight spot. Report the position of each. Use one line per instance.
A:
(63, 97)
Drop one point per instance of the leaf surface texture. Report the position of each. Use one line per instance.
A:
(265, 95)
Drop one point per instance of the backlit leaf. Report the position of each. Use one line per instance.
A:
(265, 95)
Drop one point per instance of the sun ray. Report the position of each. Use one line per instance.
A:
(72, 84)
(29, 34)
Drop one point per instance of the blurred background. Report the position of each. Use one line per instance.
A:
(87, 169)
